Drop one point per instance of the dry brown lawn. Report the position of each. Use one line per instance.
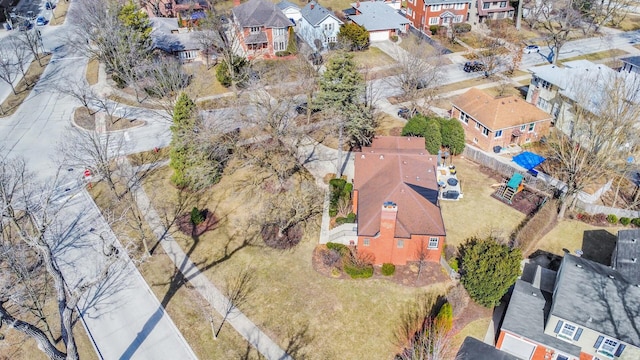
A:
(372, 57)
(60, 13)
(86, 120)
(477, 213)
(630, 23)
(23, 89)
(476, 329)
(568, 234)
(389, 126)
(464, 84)
(93, 68)
(291, 298)
(598, 56)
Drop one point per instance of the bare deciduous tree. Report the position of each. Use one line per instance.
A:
(419, 74)
(238, 289)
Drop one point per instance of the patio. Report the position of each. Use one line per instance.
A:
(448, 183)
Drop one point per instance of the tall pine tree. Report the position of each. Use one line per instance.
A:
(182, 129)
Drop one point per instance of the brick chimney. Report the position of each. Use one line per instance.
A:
(388, 219)
(357, 4)
(312, 5)
(236, 3)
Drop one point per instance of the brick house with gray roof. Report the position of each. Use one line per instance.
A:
(585, 311)
(395, 200)
(261, 27)
(426, 13)
(380, 19)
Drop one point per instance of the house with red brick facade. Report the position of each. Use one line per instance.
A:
(395, 199)
(426, 13)
(173, 8)
(262, 29)
(494, 10)
(490, 121)
(583, 311)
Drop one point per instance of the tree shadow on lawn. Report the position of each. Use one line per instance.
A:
(598, 245)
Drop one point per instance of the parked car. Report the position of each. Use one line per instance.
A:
(531, 48)
(474, 66)
(41, 21)
(49, 5)
(302, 108)
(406, 113)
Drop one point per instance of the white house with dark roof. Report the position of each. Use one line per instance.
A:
(180, 42)
(585, 311)
(380, 19)
(290, 10)
(262, 29)
(318, 26)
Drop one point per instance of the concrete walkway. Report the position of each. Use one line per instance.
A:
(245, 327)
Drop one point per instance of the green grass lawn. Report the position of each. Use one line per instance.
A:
(477, 213)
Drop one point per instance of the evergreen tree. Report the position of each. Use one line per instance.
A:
(292, 48)
(183, 126)
(135, 18)
(355, 36)
(416, 126)
(239, 74)
(452, 135)
(488, 269)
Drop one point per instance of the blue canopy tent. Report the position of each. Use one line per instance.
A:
(529, 160)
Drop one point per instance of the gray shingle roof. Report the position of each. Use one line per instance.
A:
(315, 13)
(597, 297)
(378, 16)
(626, 256)
(527, 314)
(474, 349)
(260, 13)
(436, 2)
(164, 39)
(284, 4)
(633, 60)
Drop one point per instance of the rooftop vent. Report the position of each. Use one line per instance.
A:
(611, 277)
(534, 294)
(579, 266)
(417, 178)
(362, 156)
(381, 157)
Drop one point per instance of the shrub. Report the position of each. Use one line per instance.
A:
(333, 212)
(537, 226)
(636, 221)
(488, 269)
(358, 272)
(330, 257)
(599, 218)
(445, 317)
(197, 216)
(282, 53)
(612, 219)
(434, 29)
(625, 221)
(462, 28)
(351, 218)
(394, 38)
(458, 298)
(454, 264)
(388, 269)
(340, 220)
(343, 250)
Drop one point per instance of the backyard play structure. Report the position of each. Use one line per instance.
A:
(510, 188)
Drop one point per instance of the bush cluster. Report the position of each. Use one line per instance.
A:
(197, 216)
(445, 317)
(339, 188)
(625, 221)
(388, 269)
(635, 221)
(394, 38)
(351, 218)
(461, 28)
(454, 264)
(612, 219)
(536, 226)
(358, 272)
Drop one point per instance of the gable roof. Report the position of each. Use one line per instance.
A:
(376, 15)
(474, 349)
(260, 13)
(284, 4)
(398, 169)
(597, 297)
(315, 14)
(165, 36)
(633, 60)
(498, 112)
(626, 256)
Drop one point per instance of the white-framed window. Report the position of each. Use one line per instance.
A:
(477, 125)
(523, 127)
(255, 29)
(331, 39)
(459, 6)
(503, 4)
(543, 103)
(279, 46)
(447, 6)
(568, 331)
(608, 347)
(433, 243)
(498, 134)
(409, 10)
(485, 131)
(366, 241)
(475, 140)
(279, 31)
(464, 118)
(435, 7)
(532, 126)
(328, 27)
(486, 5)
(400, 244)
(458, 19)
(434, 21)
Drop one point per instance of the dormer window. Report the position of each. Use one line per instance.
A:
(255, 30)
(608, 347)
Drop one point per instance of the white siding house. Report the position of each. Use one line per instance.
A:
(290, 10)
(318, 26)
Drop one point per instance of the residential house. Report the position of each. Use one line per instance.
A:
(180, 42)
(380, 19)
(262, 28)
(474, 349)
(559, 89)
(626, 255)
(290, 10)
(319, 27)
(630, 64)
(585, 311)
(426, 13)
(494, 10)
(396, 201)
(490, 121)
(173, 8)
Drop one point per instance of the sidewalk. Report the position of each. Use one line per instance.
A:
(243, 325)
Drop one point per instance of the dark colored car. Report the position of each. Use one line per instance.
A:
(49, 5)
(302, 109)
(406, 113)
(474, 66)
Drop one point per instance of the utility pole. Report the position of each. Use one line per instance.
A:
(519, 16)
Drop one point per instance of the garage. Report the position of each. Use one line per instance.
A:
(378, 35)
(517, 347)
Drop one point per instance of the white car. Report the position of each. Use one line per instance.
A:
(531, 48)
